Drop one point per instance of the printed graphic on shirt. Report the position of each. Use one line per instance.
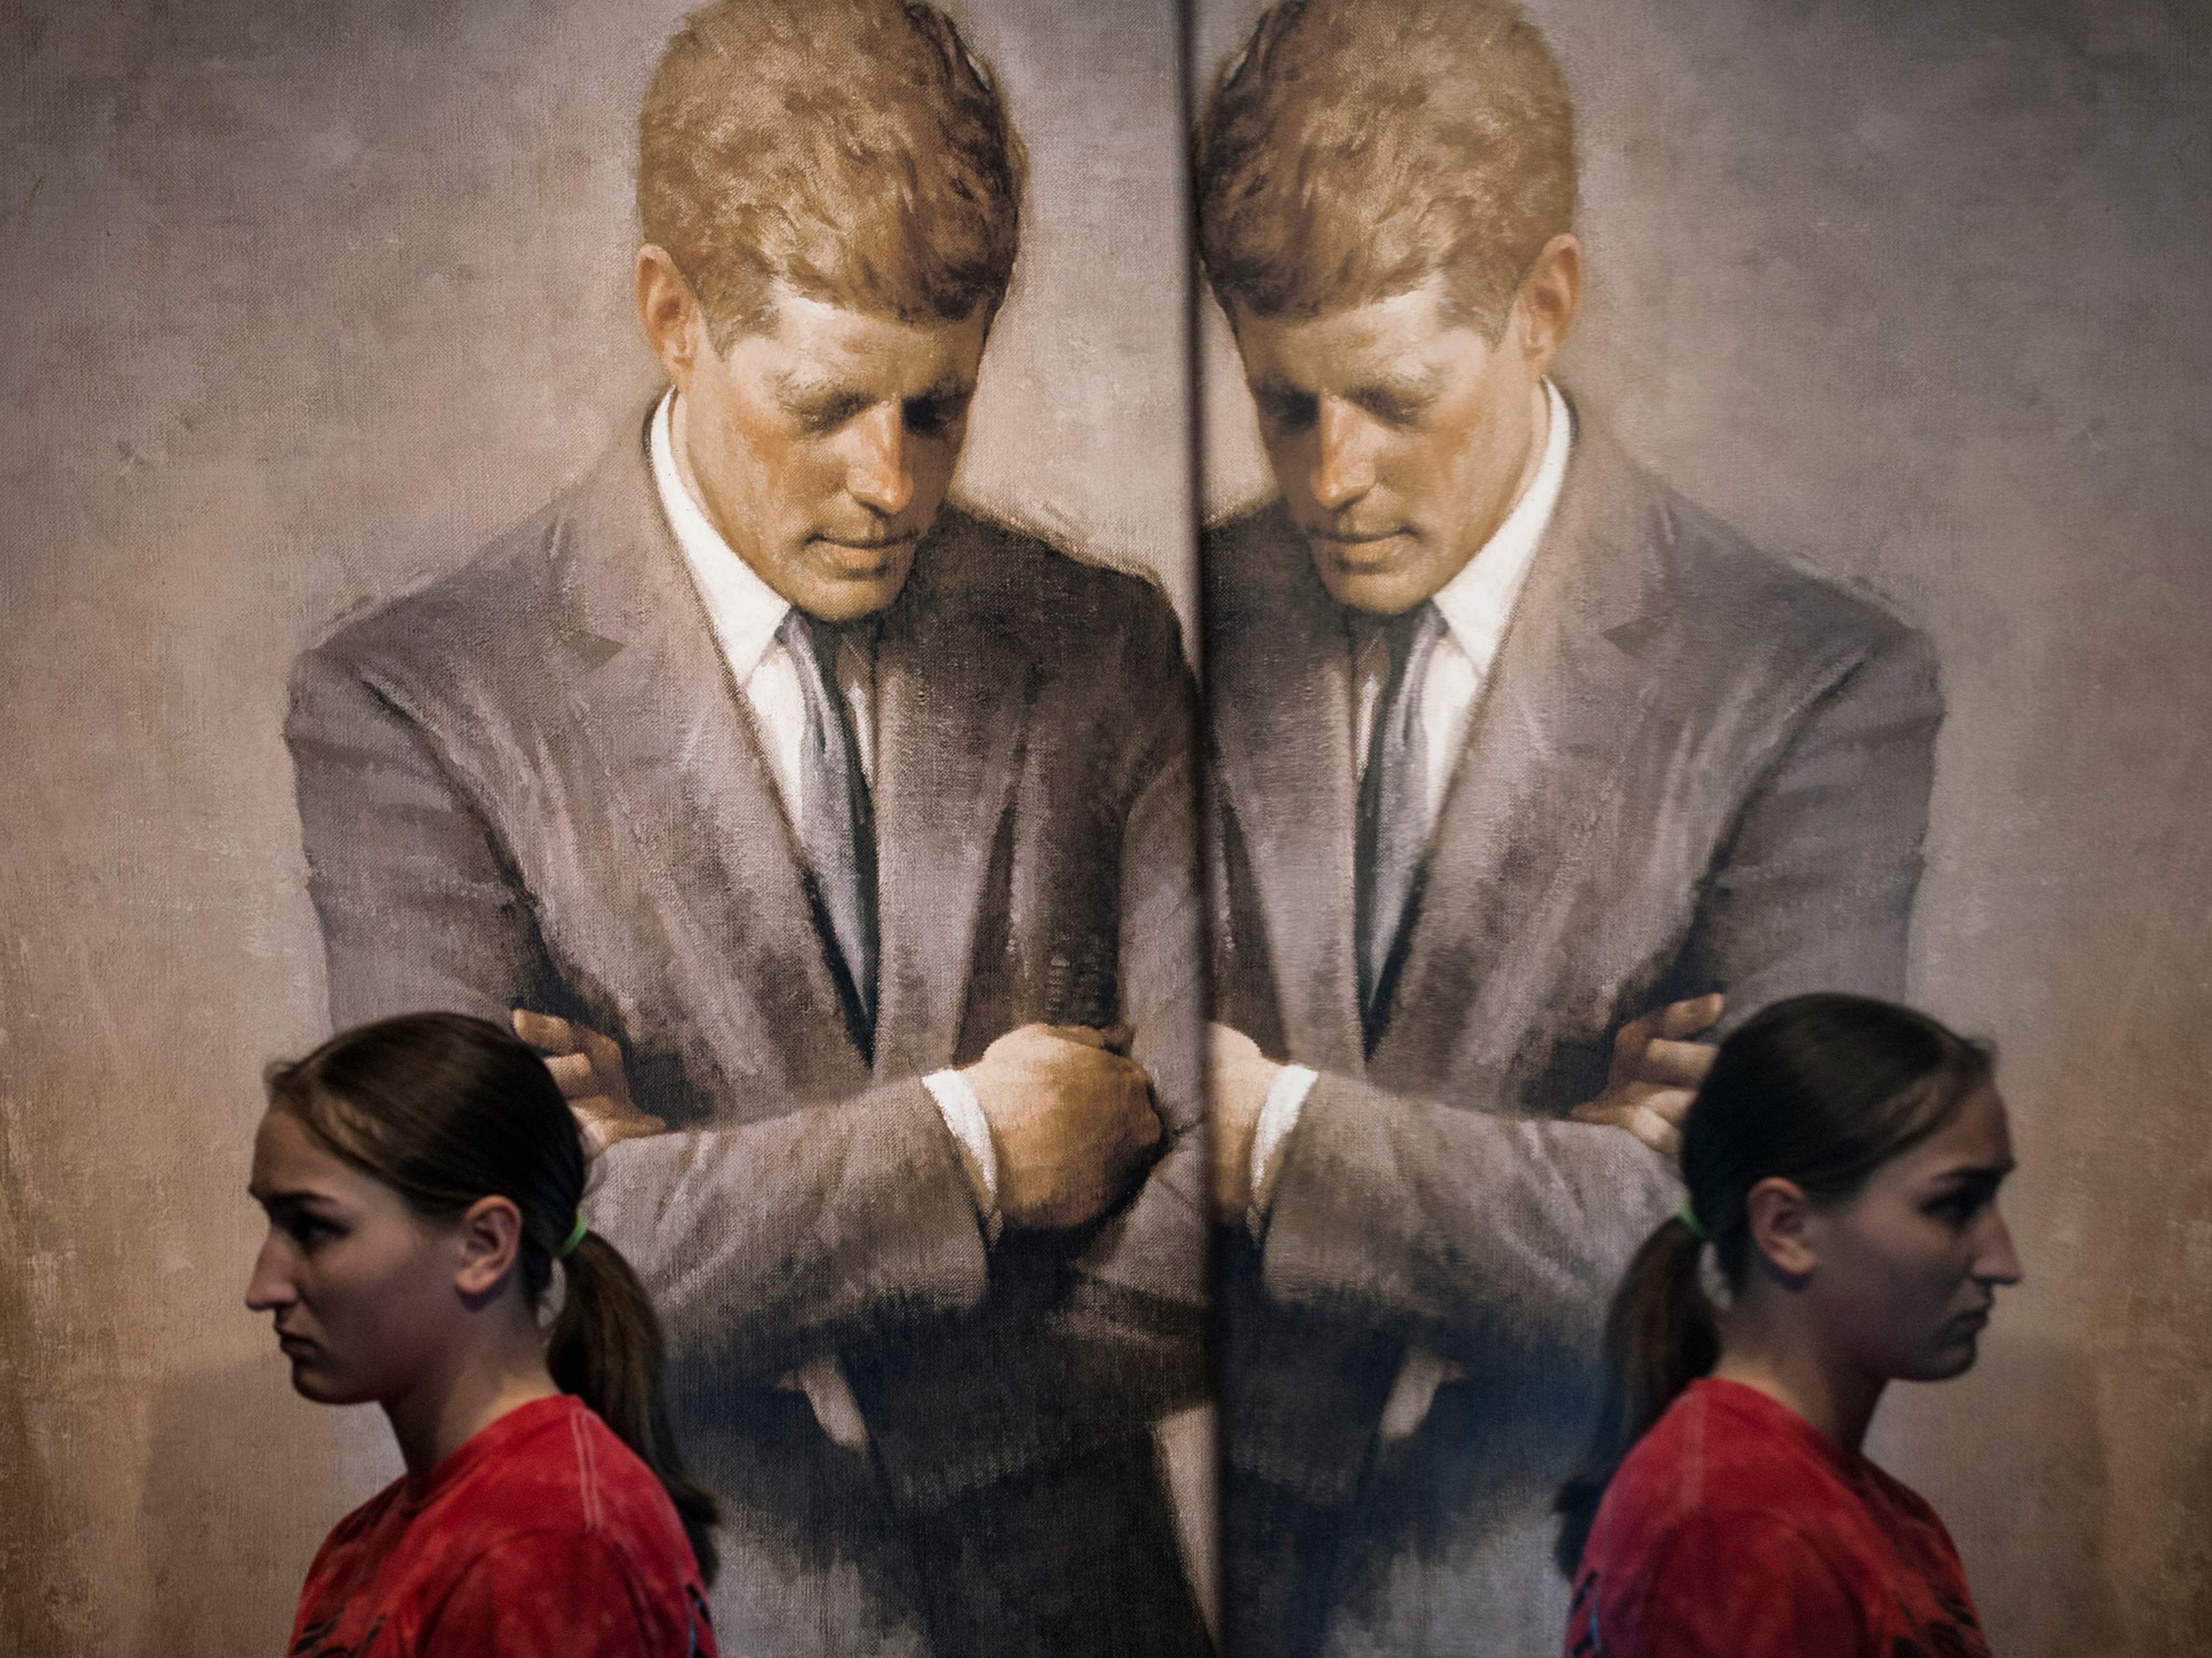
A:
(695, 1619)
(1586, 1642)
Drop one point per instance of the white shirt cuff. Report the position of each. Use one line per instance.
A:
(1279, 1115)
(963, 1114)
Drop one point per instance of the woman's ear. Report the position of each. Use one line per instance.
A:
(1780, 1218)
(490, 1234)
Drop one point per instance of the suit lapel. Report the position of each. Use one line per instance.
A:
(1278, 688)
(953, 696)
(1566, 700)
(715, 855)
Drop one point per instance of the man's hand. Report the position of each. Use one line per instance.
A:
(1655, 1072)
(588, 1066)
(1071, 1122)
(1237, 1078)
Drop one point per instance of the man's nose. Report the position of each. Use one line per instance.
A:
(879, 477)
(1344, 457)
(269, 1289)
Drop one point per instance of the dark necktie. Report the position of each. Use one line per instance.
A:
(836, 818)
(1394, 813)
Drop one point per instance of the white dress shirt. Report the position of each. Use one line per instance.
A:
(1477, 605)
(745, 612)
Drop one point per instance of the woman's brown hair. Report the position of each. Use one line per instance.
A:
(1820, 1090)
(447, 1109)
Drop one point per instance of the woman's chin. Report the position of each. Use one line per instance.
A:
(1954, 1357)
(311, 1382)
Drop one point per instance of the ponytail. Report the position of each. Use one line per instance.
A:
(446, 1109)
(1659, 1336)
(1817, 1090)
(606, 1348)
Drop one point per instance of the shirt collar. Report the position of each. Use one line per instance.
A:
(1477, 602)
(745, 610)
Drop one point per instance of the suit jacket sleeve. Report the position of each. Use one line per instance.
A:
(1141, 1283)
(1461, 1224)
(769, 1243)
(1814, 890)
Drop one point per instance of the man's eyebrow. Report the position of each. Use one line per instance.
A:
(808, 388)
(1396, 388)
(798, 387)
(950, 383)
(1407, 388)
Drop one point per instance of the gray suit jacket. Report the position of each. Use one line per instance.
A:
(533, 785)
(1694, 767)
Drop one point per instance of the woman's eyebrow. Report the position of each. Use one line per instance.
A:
(293, 1198)
(1968, 1173)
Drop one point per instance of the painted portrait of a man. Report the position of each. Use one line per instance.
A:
(1530, 771)
(836, 844)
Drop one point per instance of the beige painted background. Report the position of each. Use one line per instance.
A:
(305, 301)
(1923, 292)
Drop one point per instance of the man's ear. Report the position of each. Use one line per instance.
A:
(1780, 1218)
(1549, 299)
(490, 1236)
(668, 313)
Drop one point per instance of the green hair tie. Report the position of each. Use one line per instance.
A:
(576, 1235)
(1688, 1217)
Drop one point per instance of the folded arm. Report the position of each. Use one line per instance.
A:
(1140, 1288)
(1465, 1226)
(771, 1243)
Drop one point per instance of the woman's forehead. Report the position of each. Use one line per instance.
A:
(1977, 1135)
(287, 1159)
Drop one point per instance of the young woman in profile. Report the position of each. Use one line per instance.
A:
(421, 1177)
(1843, 1158)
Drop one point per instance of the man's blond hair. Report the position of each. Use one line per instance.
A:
(854, 149)
(1355, 148)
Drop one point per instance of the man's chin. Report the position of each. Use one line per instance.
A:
(848, 594)
(848, 583)
(1381, 590)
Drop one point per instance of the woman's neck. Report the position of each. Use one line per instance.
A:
(481, 1384)
(1792, 1368)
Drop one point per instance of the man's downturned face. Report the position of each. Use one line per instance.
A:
(1400, 436)
(823, 448)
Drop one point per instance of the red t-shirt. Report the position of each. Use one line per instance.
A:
(543, 1534)
(1737, 1529)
